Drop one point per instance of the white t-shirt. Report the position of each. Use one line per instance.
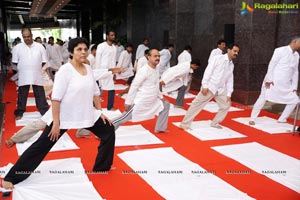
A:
(75, 93)
(29, 59)
(185, 56)
(92, 61)
(214, 52)
(54, 56)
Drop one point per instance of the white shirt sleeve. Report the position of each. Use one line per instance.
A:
(229, 85)
(44, 55)
(62, 79)
(121, 58)
(295, 76)
(207, 74)
(15, 58)
(273, 62)
(98, 56)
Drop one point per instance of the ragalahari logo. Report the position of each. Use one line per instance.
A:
(246, 8)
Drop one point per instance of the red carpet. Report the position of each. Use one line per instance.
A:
(116, 185)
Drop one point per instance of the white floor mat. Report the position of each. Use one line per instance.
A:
(120, 87)
(175, 177)
(176, 111)
(203, 131)
(174, 95)
(213, 107)
(63, 144)
(273, 164)
(135, 135)
(267, 124)
(57, 179)
(28, 117)
(31, 101)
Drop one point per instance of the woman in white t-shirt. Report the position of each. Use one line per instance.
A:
(74, 92)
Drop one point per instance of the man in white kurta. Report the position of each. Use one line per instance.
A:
(165, 57)
(186, 56)
(176, 78)
(144, 100)
(125, 62)
(219, 50)
(281, 81)
(142, 61)
(141, 50)
(120, 49)
(217, 83)
(106, 59)
(55, 59)
(29, 57)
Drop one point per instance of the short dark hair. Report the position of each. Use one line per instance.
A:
(230, 46)
(94, 47)
(129, 45)
(146, 51)
(150, 50)
(188, 47)
(170, 45)
(107, 32)
(74, 43)
(196, 61)
(221, 41)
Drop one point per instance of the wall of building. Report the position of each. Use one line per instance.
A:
(202, 23)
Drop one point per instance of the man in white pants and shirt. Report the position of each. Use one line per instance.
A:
(165, 57)
(176, 78)
(219, 50)
(281, 81)
(185, 56)
(144, 100)
(106, 59)
(217, 83)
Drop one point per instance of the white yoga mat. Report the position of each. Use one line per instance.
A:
(203, 131)
(176, 178)
(64, 143)
(27, 118)
(57, 179)
(124, 96)
(135, 135)
(5, 169)
(176, 111)
(213, 107)
(273, 164)
(267, 124)
(120, 87)
(174, 95)
(31, 101)
(111, 114)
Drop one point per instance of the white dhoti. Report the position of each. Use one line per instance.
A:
(281, 92)
(145, 109)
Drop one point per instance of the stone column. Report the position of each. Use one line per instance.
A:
(181, 24)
